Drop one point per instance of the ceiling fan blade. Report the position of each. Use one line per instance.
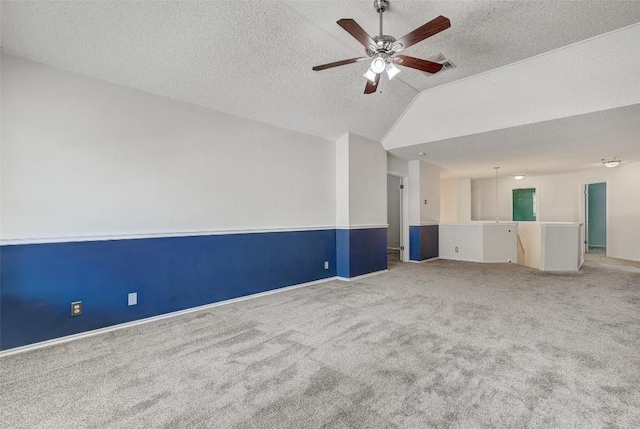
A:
(356, 31)
(338, 63)
(418, 64)
(427, 30)
(372, 87)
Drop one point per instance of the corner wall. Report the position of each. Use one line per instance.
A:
(361, 189)
(424, 210)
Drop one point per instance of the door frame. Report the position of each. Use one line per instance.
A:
(404, 215)
(584, 214)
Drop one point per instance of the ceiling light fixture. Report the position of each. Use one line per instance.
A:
(392, 71)
(611, 162)
(378, 65)
(421, 153)
(518, 176)
(370, 75)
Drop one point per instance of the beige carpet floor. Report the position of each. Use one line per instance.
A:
(441, 344)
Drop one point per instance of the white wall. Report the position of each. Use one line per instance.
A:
(464, 199)
(361, 182)
(342, 180)
(414, 192)
(424, 185)
(85, 157)
(559, 199)
(455, 200)
(430, 191)
(397, 166)
(449, 200)
(556, 84)
(368, 182)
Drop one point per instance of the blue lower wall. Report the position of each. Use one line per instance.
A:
(361, 251)
(423, 242)
(39, 281)
(343, 257)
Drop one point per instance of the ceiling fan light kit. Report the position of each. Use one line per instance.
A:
(392, 71)
(383, 49)
(379, 63)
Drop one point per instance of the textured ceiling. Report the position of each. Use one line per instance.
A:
(254, 58)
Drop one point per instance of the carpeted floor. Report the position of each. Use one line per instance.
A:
(441, 344)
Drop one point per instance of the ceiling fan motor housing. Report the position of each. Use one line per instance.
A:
(384, 45)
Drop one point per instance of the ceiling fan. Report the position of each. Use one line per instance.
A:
(383, 50)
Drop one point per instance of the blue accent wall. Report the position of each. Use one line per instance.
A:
(343, 256)
(39, 281)
(361, 251)
(423, 242)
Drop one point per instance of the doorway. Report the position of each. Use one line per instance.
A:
(394, 218)
(596, 218)
(523, 205)
(398, 219)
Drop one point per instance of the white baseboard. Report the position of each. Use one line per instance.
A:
(626, 258)
(104, 330)
(424, 260)
(349, 279)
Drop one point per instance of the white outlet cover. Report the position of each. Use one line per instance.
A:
(326, 265)
(133, 298)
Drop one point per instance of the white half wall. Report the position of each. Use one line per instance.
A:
(559, 200)
(478, 242)
(85, 157)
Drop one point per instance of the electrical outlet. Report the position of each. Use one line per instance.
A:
(456, 249)
(133, 298)
(76, 308)
(326, 265)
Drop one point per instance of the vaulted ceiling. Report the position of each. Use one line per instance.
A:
(253, 58)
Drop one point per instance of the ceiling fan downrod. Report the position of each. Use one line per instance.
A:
(380, 6)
